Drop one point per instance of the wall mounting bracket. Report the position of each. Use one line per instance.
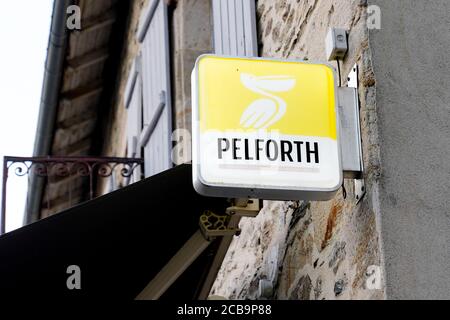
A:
(218, 225)
(351, 147)
(350, 133)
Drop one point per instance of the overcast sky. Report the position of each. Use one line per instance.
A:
(24, 31)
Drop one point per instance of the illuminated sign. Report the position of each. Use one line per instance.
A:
(264, 128)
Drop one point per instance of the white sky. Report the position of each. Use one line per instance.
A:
(24, 31)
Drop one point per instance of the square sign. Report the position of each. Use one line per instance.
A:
(265, 129)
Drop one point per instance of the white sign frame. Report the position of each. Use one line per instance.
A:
(256, 191)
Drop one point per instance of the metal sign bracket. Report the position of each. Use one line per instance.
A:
(350, 138)
(218, 225)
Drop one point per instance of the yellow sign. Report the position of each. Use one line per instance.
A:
(236, 91)
(264, 127)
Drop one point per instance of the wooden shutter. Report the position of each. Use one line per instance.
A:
(133, 103)
(235, 27)
(153, 33)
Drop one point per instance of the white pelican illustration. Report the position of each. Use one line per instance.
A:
(262, 113)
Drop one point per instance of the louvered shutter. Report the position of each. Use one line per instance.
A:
(153, 33)
(235, 27)
(133, 104)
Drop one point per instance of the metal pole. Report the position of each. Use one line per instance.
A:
(218, 259)
(175, 267)
(3, 214)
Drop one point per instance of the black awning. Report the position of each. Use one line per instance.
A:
(120, 241)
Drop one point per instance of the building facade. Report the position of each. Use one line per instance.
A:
(385, 238)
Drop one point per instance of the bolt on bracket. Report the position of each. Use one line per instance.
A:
(245, 207)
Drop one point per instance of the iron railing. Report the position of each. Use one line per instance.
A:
(89, 167)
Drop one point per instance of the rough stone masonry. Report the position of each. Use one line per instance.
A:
(313, 250)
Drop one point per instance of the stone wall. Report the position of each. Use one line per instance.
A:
(191, 37)
(313, 250)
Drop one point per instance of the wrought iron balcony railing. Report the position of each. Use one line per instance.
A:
(89, 167)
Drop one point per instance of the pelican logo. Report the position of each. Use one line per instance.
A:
(264, 128)
(263, 113)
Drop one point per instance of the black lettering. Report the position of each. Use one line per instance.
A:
(221, 149)
(236, 148)
(258, 148)
(299, 150)
(247, 156)
(275, 146)
(285, 152)
(315, 152)
(274, 150)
